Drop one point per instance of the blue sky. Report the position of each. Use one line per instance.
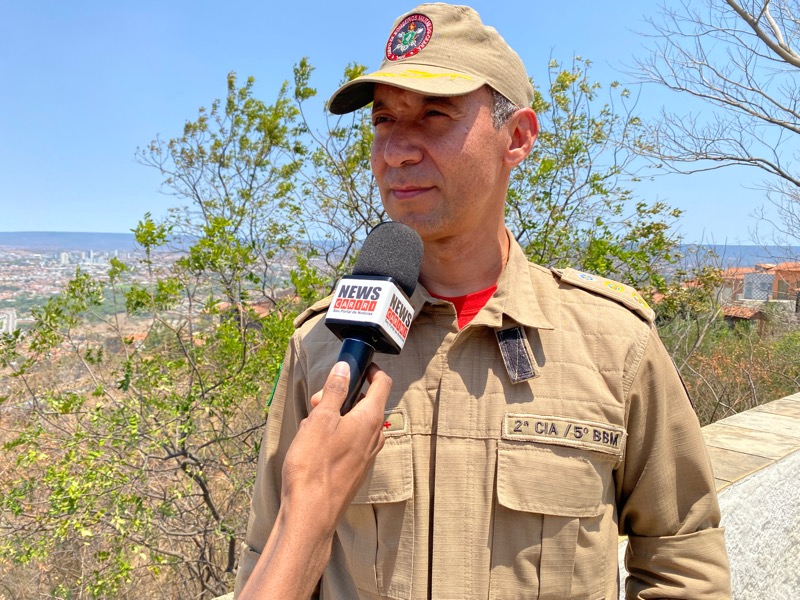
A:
(86, 83)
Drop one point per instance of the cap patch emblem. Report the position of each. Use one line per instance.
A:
(409, 37)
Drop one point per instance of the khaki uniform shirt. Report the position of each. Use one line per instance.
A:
(517, 450)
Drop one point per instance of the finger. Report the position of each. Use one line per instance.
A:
(378, 377)
(334, 391)
(316, 399)
(374, 402)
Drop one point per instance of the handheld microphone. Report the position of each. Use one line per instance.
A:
(371, 310)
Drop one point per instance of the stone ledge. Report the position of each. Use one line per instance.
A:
(747, 442)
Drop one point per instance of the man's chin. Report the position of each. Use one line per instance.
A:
(425, 227)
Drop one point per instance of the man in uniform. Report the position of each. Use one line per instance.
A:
(535, 415)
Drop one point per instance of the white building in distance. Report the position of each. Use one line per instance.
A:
(8, 320)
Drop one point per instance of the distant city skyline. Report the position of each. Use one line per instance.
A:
(94, 81)
(88, 245)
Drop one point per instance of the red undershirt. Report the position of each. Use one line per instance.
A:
(470, 305)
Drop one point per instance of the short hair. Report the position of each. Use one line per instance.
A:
(502, 109)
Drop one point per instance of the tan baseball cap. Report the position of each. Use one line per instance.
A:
(441, 50)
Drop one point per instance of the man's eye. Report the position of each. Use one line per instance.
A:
(378, 120)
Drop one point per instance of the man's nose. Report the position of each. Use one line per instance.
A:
(403, 145)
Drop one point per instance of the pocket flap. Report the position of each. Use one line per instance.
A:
(391, 478)
(551, 480)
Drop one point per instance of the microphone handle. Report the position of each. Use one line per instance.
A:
(357, 354)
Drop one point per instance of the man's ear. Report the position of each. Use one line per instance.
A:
(524, 127)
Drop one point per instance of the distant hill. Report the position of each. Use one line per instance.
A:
(56, 241)
(747, 256)
(59, 241)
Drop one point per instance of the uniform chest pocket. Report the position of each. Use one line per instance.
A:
(377, 531)
(553, 520)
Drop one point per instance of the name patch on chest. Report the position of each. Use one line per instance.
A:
(576, 433)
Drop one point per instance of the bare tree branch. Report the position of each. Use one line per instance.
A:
(740, 58)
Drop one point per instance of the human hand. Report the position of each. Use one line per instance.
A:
(331, 454)
(324, 467)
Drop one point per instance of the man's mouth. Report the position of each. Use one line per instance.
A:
(408, 192)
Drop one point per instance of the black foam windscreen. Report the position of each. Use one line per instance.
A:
(392, 250)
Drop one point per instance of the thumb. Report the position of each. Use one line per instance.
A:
(335, 390)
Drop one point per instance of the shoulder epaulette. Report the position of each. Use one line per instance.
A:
(314, 309)
(624, 294)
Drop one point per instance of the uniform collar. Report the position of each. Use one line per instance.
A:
(515, 300)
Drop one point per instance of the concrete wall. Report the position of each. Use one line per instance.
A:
(761, 516)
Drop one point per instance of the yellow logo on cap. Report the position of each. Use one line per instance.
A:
(415, 74)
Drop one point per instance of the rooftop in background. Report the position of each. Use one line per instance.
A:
(742, 312)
